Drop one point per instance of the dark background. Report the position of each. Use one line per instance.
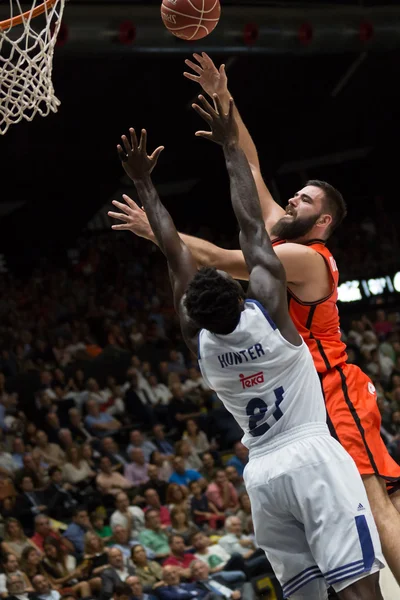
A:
(65, 168)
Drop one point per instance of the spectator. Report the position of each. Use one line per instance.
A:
(121, 539)
(137, 589)
(209, 468)
(60, 499)
(75, 532)
(109, 481)
(51, 454)
(100, 529)
(234, 542)
(181, 408)
(76, 470)
(16, 588)
(137, 441)
(148, 571)
(153, 536)
(30, 470)
(181, 526)
(15, 540)
(235, 479)
(61, 570)
(240, 459)
(162, 445)
(196, 438)
(122, 592)
(202, 510)
(115, 574)
(163, 465)
(244, 513)
(179, 558)
(11, 567)
(17, 456)
(218, 559)
(201, 575)
(95, 559)
(222, 494)
(153, 501)
(136, 470)
(77, 428)
(130, 517)
(190, 457)
(177, 497)
(28, 504)
(30, 563)
(43, 589)
(44, 530)
(110, 448)
(183, 476)
(174, 589)
(155, 483)
(100, 424)
(160, 391)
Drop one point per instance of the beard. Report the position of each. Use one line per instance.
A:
(294, 227)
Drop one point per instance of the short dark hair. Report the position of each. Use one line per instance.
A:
(122, 589)
(334, 202)
(212, 301)
(54, 469)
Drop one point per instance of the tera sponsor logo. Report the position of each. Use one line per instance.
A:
(251, 380)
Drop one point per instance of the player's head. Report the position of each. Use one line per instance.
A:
(315, 211)
(214, 301)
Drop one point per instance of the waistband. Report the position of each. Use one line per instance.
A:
(288, 437)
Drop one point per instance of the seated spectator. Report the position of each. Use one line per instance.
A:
(181, 408)
(122, 540)
(148, 571)
(137, 589)
(100, 424)
(222, 494)
(160, 392)
(235, 479)
(98, 523)
(11, 567)
(234, 542)
(77, 427)
(163, 465)
(65, 439)
(109, 481)
(202, 510)
(16, 588)
(61, 570)
(76, 470)
(136, 470)
(196, 438)
(28, 504)
(240, 459)
(177, 497)
(44, 530)
(95, 560)
(153, 536)
(244, 514)
(153, 501)
(115, 574)
(174, 589)
(91, 456)
(29, 469)
(190, 457)
(109, 447)
(155, 483)
(181, 526)
(59, 497)
(43, 589)
(75, 532)
(179, 558)
(209, 468)
(30, 563)
(129, 517)
(15, 540)
(162, 445)
(51, 454)
(201, 576)
(139, 400)
(183, 476)
(122, 592)
(137, 441)
(18, 451)
(218, 559)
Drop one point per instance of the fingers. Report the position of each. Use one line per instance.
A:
(119, 216)
(222, 72)
(124, 227)
(218, 105)
(208, 135)
(126, 209)
(193, 66)
(127, 147)
(191, 76)
(207, 106)
(129, 201)
(199, 58)
(143, 141)
(134, 141)
(207, 60)
(121, 154)
(156, 153)
(203, 114)
(231, 107)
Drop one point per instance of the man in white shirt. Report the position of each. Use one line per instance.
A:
(115, 574)
(137, 441)
(234, 542)
(160, 391)
(201, 575)
(43, 590)
(129, 517)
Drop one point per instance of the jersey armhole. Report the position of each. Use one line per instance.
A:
(264, 312)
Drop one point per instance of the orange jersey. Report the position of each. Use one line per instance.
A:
(318, 322)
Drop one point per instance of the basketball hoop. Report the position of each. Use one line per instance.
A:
(27, 41)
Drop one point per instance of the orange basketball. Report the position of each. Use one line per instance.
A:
(190, 19)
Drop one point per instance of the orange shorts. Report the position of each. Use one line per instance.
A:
(354, 420)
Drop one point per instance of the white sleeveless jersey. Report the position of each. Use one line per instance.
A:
(265, 382)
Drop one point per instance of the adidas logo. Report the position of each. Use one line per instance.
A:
(360, 507)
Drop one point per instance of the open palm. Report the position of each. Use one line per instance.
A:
(211, 79)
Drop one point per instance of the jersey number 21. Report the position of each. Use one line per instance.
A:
(256, 410)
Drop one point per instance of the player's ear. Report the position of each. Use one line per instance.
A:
(325, 219)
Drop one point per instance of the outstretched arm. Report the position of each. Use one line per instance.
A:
(214, 81)
(181, 265)
(267, 275)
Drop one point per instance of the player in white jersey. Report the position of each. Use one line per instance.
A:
(310, 510)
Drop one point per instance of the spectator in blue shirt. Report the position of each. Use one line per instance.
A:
(175, 590)
(183, 476)
(76, 530)
(100, 424)
(241, 458)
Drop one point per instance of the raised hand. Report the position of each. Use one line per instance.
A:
(211, 79)
(224, 129)
(133, 218)
(134, 157)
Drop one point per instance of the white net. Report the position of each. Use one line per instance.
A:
(26, 61)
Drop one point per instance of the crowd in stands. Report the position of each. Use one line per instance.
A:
(121, 474)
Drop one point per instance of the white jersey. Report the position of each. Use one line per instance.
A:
(267, 384)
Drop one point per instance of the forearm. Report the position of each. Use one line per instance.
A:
(245, 140)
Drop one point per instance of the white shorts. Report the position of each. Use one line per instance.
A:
(311, 513)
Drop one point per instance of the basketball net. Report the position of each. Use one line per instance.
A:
(27, 41)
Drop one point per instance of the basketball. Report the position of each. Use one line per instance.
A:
(190, 19)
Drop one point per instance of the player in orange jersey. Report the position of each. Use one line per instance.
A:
(300, 234)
